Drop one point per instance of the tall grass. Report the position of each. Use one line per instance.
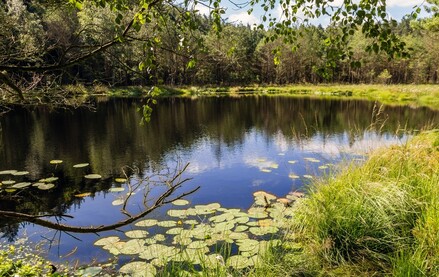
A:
(379, 218)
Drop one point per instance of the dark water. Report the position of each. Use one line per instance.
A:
(229, 143)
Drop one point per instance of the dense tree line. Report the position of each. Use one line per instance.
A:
(170, 50)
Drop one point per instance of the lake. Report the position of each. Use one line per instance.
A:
(235, 146)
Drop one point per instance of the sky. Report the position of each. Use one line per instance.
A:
(396, 9)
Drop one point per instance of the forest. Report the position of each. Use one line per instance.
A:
(45, 44)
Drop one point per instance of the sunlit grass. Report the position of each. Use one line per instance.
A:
(378, 219)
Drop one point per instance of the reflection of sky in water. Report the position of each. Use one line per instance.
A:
(227, 174)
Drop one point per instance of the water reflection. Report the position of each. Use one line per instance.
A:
(235, 146)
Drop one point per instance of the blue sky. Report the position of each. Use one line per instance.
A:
(396, 8)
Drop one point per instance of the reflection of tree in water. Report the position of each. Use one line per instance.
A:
(112, 137)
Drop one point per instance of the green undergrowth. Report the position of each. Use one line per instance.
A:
(379, 219)
(413, 95)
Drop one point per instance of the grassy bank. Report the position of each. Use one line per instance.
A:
(414, 95)
(380, 219)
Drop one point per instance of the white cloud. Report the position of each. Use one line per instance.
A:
(202, 9)
(243, 18)
(405, 3)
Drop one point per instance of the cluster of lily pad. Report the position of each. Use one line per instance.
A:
(197, 234)
(11, 185)
(268, 166)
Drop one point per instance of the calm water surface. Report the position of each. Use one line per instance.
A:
(229, 142)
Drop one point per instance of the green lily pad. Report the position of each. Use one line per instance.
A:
(10, 190)
(197, 244)
(37, 184)
(147, 223)
(139, 269)
(180, 202)
(45, 186)
(20, 173)
(190, 222)
(221, 217)
(21, 185)
(261, 231)
(120, 180)
(241, 228)
(7, 172)
(89, 271)
(160, 237)
(136, 234)
(93, 176)
(293, 176)
(81, 165)
(8, 182)
(49, 180)
(55, 161)
(222, 226)
(174, 231)
(238, 262)
(116, 189)
(133, 247)
(158, 251)
(107, 241)
(118, 202)
(177, 213)
(167, 223)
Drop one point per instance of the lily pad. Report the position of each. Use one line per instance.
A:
(180, 202)
(174, 231)
(118, 202)
(167, 223)
(21, 185)
(260, 231)
(49, 180)
(85, 194)
(20, 173)
(89, 271)
(93, 176)
(323, 167)
(45, 186)
(159, 237)
(241, 228)
(8, 182)
(147, 223)
(132, 247)
(197, 244)
(266, 170)
(238, 262)
(37, 184)
(139, 269)
(308, 176)
(177, 213)
(293, 176)
(136, 234)
(120, 180)
(313, 160)
(157, 251)
(7, 172)
(81, 165)
(55, 161)
(10, 190)
(292, 162)
(107, 241)
(116, 189)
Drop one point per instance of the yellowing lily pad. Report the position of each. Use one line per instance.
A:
(147, 223)
(21, 185)
(180, 202)
(81, 165)
(118, 202)
(120, 180)
(139, 269)
(8, 182)
(85, 194)
(93, 176)
(45, 186)
(116, 189)
(55, 161)
(20, 173)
